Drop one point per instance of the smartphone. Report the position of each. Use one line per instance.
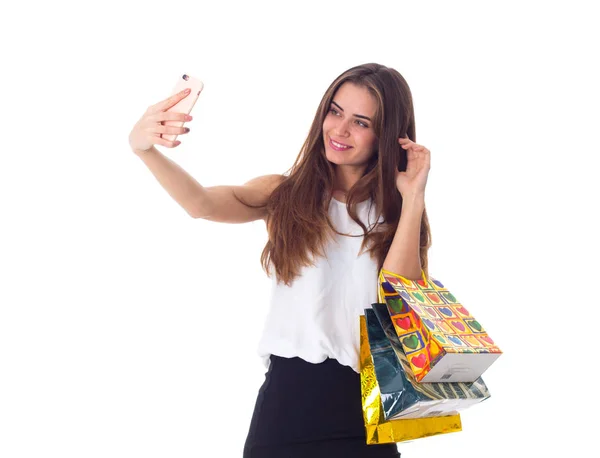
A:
(186, 104)
(402, 160)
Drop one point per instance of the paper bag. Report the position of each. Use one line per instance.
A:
(442, 341)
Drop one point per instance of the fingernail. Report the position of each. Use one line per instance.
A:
(187, 91)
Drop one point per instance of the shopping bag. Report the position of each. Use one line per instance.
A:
(378, 429)
(401, 395)
(442, 341)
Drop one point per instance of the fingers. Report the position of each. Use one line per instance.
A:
(412, 146)
(168, 103)
(162, 117)
(405, 143)
(162, 129)
(174, 99)
(166, 143)
(149, 129)
(170, 116)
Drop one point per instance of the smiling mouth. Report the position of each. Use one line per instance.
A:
(338, 146)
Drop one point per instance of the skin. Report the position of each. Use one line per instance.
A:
(345, 123)
(217, 202)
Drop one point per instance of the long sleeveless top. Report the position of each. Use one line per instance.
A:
(317, 317)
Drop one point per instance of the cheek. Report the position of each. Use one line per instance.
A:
(369, 140)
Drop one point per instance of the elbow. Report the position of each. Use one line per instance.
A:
(199, 211)
(197, 215)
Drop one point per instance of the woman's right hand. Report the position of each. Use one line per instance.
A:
(147, 131)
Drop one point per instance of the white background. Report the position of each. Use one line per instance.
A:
(109, 345)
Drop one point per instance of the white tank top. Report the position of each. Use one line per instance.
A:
(317, 317)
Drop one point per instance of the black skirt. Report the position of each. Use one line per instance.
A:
(310, 410)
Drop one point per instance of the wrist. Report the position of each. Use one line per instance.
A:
(414, 200)
(140, 152)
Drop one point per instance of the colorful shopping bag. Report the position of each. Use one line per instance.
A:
(378, 429)
(442, 341)
(401, 395)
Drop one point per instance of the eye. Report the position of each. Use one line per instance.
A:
(362, 124)
(334, 111)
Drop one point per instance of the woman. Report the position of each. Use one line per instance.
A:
(333, 221)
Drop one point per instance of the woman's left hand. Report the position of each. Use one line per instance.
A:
(413, 181)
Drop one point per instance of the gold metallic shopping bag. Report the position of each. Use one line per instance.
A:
(379, 430)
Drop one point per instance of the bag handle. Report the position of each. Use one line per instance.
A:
(380, 292)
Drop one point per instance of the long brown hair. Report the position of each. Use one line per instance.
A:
(298, 222)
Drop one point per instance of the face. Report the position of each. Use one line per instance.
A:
(348, 127)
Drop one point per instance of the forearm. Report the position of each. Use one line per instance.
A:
(180, 185)
(404, 257)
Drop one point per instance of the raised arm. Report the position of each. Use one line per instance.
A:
(220, 204)
(216, 203)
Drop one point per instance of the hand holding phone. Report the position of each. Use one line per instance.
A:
(163, 122)
(186, 104)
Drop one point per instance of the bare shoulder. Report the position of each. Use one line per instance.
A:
(261, 188)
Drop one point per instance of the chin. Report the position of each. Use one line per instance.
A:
(335, 157)
(336, 160)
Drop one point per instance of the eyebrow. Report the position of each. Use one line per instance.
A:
(357, 115)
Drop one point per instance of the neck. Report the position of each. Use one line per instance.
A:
(346, 177)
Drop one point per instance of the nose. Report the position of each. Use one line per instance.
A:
(341, 128)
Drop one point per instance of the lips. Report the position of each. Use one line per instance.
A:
(338, 148)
